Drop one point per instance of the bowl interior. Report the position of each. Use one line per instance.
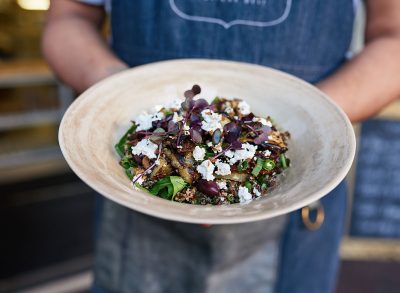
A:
(321, 147)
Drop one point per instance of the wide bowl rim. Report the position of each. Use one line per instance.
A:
(239, 218)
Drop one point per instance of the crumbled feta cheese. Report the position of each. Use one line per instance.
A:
(186, 127)
(244, 108)
(256, 192)
(222, 199)
(223, 168)
(247, 152)
(176, 118)
(222, 185)
(267, 153)
(144, 121)
(206, 170)
(229, 154)
(145, 147)
(209, 144)
(212, 121)
(244, 194)
(157, 108)
(236, 117)
(157, 116)
(199, 153)
(263, 121)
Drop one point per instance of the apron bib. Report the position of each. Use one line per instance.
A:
(307, 38)
(139, 253)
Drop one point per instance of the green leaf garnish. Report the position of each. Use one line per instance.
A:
(243, 165)
(128, 173)
(127, 162)
(137, 185)
(215, 100)
(167, 112)
(259, 165)
(120, 146)
(168, 187)
(209, 154)
(248, 185)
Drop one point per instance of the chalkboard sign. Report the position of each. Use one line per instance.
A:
(376, 206)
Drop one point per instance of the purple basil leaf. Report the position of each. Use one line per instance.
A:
(158, 135)
(189, 94)
(195, 119)
(200, 104)
(261, 138)
(265, 129)
(187, 104)
(172, 126)
(213, 107)
(230, 126)
(248, 117)
(196, 89)
(236, 145)
(231, 137)
(197, 127)
(184, 106)
(195, 135)
(161, 124)
(232, 132)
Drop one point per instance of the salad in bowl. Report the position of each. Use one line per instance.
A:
(196, 152)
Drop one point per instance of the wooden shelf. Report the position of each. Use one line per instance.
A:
(24, 73)
(368, 249)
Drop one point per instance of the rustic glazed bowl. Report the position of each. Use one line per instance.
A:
(321, 148)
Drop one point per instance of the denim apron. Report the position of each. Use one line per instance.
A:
(139, 253)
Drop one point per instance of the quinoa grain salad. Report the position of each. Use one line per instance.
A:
(196, 152)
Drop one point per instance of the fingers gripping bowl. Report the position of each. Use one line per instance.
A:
(321, 147)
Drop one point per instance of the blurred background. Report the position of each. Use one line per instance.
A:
(47, 213)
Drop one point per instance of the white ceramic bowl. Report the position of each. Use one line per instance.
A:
(321, 148)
